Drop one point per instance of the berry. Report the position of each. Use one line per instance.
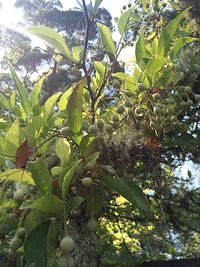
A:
(67, 244)
(128, 103)
(120, 109)
(129, 5)
(156, 96)
(174, 119)
(65, 131)
(116, 84)
(128, 93)
(9, 193)
(147, 5)
(141, 87)
(92, 225)
(15, 243)
(124, 7)
(157, 111)
(138, 110)
(197, 97)
(93, 130)
(100, 123)
(187, 89)
(90, 166)
(86, 182)
(184, 104)
(21, 232)
(189, 103)
(18, 195)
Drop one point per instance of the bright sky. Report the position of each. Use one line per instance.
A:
(10, 16)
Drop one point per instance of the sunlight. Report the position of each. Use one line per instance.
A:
(9, 15)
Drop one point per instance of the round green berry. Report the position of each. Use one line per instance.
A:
(65, 131)
(120, 109)
(86, 182)
(67, 244)
(93, 130)
(100, 124)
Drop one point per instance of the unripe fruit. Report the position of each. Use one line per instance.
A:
(65, 131)
(109, 128)
(21, 232)
(67, 244)
(120, 109)
(156, 96)
(117, 84)
(187, 89)
(93, 130)
(115, 118)
(9, 193)
(90, 166)
(157, 111)
(197, 97)
(100, 123)
(184, 104)
(138, 110)
(189, 103)
(15, 243)
(92, 225)
(86, 182)
(18, 195)
(128, 103)
(141, 87)
(66, 261)
(129, 93)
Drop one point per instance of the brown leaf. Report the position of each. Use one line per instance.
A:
(153, 143)
(23, 153)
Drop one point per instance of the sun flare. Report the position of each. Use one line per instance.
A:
(9, 15)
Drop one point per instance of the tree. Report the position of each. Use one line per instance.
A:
(101, 153)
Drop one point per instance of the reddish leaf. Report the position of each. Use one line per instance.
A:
(152, 143)
(22, 154)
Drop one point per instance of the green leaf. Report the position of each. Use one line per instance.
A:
(63, 151)
(106, 39)
(8, 204)
(34, 218)
(180, 43)
(74, 109)
(21, 91)
(17, 175)
(168, 33)
(153, 66)
(12, 139)
(35, 94)
(35, 246)
(4, 102)
(140, 50)
(96, 5)
(41, 176)
(129, 190)
(85, 144)
(13, 99)
(100, 68)
(64, 98)
(51, 102)
(68, 179)
(52, 38)
(48, 204)
(73, 203)
(123, 20)
(77, 53)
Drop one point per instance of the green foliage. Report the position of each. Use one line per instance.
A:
(117, 130)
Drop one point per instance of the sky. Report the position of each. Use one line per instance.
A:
(10, 16)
